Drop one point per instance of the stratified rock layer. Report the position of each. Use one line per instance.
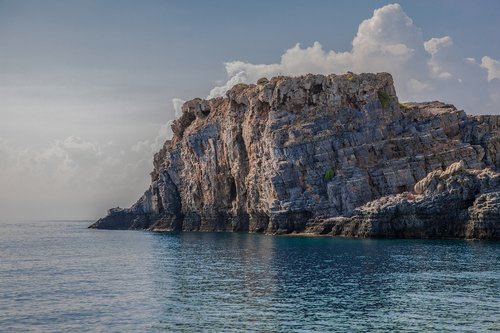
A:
(303, 154)
(457, 202)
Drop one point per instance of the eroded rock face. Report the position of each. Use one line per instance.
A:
(277, 156)
(455, 203)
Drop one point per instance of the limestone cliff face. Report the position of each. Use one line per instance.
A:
(457, 202)
(292, 152)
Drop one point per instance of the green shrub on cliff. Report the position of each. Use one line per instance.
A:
(329, 175)
(384, 98)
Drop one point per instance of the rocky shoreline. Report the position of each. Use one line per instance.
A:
(334, 155)
(455, 203)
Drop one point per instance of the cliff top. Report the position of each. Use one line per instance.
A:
(347, 90)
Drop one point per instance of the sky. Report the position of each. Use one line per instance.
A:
(88, 88)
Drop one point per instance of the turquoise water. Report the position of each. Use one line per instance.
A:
(60, 276)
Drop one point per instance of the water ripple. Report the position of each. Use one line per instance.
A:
(60, 276)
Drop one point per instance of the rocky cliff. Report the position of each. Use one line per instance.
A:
(334, 154)
(457, 202)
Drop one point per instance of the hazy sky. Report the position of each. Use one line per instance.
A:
(86, 87)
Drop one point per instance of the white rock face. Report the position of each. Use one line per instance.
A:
(276, 156)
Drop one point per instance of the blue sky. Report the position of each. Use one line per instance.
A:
(87, 86)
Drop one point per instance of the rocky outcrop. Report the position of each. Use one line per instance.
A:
(455, 203)
(293, 154)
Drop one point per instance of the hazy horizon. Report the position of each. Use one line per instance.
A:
(89, 87)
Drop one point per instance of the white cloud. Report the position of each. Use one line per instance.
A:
(295, 61)
(70, 177)
(385, 41)
(140, 146)
(470, 60)
(417, 86)
(177, 103)
(433, 45)
(235, 78)
(390, 41)
(165, 131)
(150, 147)
(492, 66)
(439, 48)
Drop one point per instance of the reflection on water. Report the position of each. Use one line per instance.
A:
(61, 276)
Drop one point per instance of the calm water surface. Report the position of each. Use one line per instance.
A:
(60, 276)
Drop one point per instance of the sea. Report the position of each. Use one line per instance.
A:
(59, 276)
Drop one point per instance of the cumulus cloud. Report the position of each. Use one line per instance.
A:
(165, 131)
(140, 146)
(149, 147)
(71, 177)
(437, 48)
(390, 41)
(433, 45)
(295, 61)
(492, 66)
(88, 177)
